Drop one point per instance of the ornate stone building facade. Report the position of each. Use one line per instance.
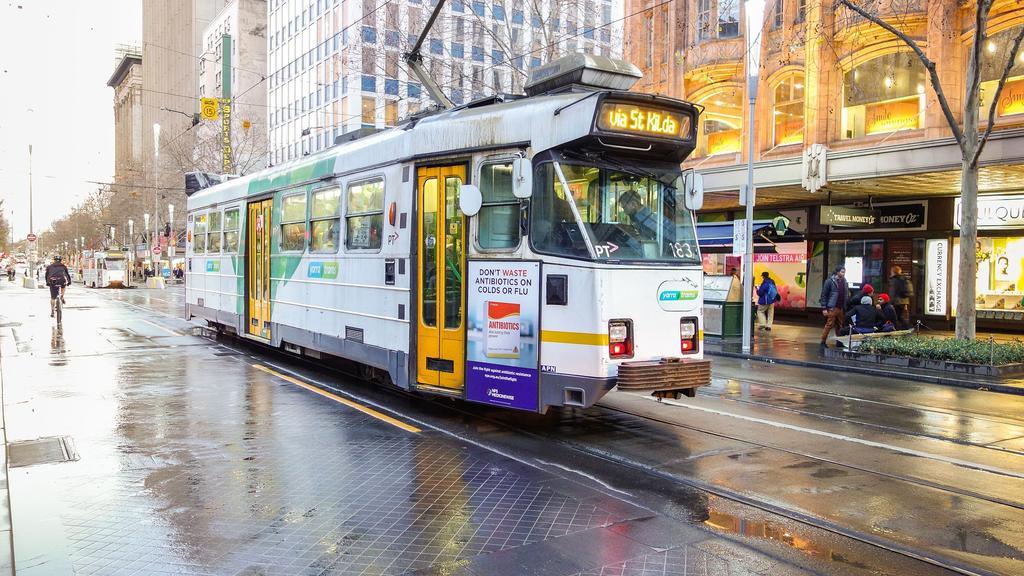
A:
(128, 130)
(829, 78)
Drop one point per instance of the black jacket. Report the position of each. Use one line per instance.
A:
(855, 300)
(888, 314)
(57, 271)
(866, 316)
(831, 290)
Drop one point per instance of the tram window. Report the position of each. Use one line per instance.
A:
(364, 215)
(199, 234)
(213, 237)
(231, 230)
(499, 214)
(293, 222)
(325, 224)
(554, 228)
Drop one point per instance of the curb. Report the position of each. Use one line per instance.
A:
(870, 371)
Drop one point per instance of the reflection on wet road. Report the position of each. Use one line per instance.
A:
(198, 458)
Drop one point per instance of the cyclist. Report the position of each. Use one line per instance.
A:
(57, 277)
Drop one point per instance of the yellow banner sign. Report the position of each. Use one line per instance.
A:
(225, 123)
(892, 116)
(208, 108)
(1011, 101)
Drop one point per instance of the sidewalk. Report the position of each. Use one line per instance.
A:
(798, 345)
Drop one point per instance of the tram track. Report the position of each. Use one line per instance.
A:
(452, 413)
(444, 405)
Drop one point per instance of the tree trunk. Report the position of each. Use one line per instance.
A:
(965, 306)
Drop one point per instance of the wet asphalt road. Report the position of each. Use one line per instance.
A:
(194, 460)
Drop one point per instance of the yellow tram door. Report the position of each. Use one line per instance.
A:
(258, 267)
(441, 342)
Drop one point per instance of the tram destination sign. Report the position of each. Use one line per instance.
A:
(627, 118)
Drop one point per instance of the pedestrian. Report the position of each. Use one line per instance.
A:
(834, 296)
(866, 318)
(900, 292)
(767, 296)
(889, 317)
(866, 290)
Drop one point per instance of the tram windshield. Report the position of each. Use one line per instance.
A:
(114, 263)
(608, 213)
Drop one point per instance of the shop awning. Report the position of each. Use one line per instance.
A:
(720, 233)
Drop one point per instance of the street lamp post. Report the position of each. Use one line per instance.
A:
(145, 227)
(131, 250)
(755, 21)
(156, 191)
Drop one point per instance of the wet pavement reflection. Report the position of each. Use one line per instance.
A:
(194, 461)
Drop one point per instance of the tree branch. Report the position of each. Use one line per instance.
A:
(995, 98)
(928, 64)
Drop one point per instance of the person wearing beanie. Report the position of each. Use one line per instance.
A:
(890, 318)
(866, 290)
(866, 317)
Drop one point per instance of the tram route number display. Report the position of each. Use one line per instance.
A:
(502, 348)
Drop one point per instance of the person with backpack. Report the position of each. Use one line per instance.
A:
(900, 292)
(767, 296)
(835, 294)
(57, 278)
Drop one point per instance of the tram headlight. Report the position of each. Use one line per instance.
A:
(620, 338)
(688, 338)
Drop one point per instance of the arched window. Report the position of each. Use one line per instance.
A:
(788, 111)
(884, 94)
(720, 125)
(994, 59)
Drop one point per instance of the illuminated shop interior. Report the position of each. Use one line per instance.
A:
(788, 110)
(999, 291)
(721, 123)
(885, 94)
(996, 54)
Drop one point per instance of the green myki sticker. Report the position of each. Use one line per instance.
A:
(213, 265)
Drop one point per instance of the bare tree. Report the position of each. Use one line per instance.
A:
(967, 136)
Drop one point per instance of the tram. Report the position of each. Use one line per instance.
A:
(104, 269)
(520, 251)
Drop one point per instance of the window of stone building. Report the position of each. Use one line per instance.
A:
(777, 14)
(885, 94)
(649, 36)
(994, 58)
(704, 19)
(788, 111)
(728, 18)
(719, 131)
(664, 35)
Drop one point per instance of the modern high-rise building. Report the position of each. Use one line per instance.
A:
(128, 129)
(245, 22)
(335, 67)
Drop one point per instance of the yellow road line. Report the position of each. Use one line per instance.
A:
(340, 400)
(585, 338)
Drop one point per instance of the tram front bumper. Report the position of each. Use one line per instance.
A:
(668, 377)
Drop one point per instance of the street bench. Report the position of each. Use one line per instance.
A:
(854, 340)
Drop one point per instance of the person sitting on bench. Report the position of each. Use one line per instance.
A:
(866, 318)
(890, 318)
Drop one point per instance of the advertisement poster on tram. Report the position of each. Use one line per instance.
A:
(502, 336)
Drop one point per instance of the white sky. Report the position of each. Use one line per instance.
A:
(55, 59)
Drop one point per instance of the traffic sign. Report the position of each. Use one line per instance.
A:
(156, 250)
(209, 108)
(31, 237)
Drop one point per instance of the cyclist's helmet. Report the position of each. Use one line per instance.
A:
(56, 258)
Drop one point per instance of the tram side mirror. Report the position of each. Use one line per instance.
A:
(692, 185)
(470, 199)
(522, 178)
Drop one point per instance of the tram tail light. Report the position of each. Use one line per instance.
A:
(688, 338)
(620, 339)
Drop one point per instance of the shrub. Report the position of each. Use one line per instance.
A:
(948, 349)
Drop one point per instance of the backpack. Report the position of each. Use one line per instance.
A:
(773, 294)
(55, 275)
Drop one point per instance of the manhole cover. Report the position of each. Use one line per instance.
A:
(41, 451)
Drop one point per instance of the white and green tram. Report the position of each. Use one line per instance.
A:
(521, 251)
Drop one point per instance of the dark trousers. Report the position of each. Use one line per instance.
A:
(903, 314)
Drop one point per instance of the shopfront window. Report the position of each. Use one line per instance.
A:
(994, 58)
(864, 261)
(719, 131)
(999, 288)
(788, 111)
(886, 94)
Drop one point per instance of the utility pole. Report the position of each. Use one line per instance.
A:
(225, 104)
(32, 245)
